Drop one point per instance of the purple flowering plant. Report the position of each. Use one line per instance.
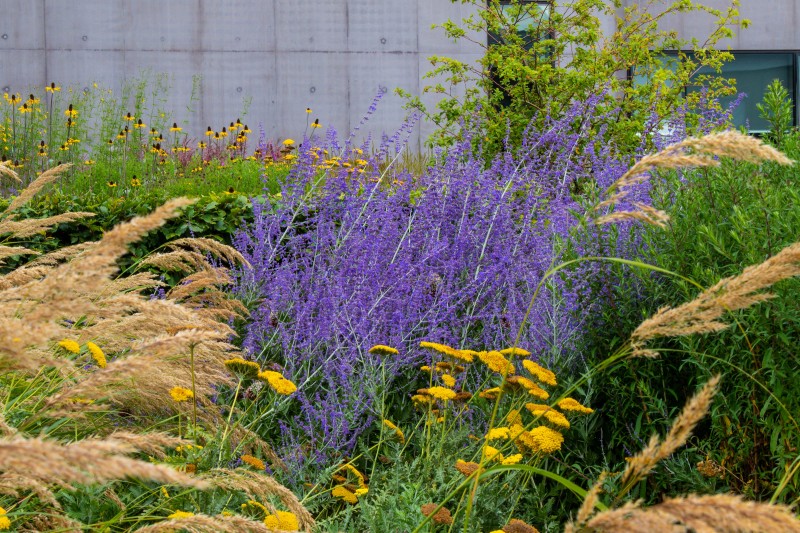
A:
(343, 260)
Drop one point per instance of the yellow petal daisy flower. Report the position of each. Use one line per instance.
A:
(70, 345)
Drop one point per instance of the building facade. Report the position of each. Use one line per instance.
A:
(269, 60)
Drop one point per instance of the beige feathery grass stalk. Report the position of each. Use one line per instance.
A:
(260, 487)
(719, 513)
(691, 152)
(702, 514)
(702, 315)
(656, 450)
(201, 523)
(34, 462)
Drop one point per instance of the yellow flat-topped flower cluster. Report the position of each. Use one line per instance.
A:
(539, 435)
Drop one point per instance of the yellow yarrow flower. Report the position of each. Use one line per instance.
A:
(515, 351)
(344, 494)
(571, 404)
(549, 413)
(5, 522)
(288, 142)
(181, 514)
(512, 459)
(381, 349)
(442, 393)
(397, 431)
(542, 439)
(490, 453)
(361, 492)
(279, 384)
(496, 362)
(70, 345)
(542, 374)
(463, 355)
(282, 521)
(497, 433)
(448, 380)
(97, 354)
(255, 462)
(242, 368)
(181, 394)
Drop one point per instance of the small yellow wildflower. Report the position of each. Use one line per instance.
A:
(397, 431)
(290, 157)
(181, 394)
(542, 374)
(515, 351)
(282, 521)
(316, 124)
(175, 127)
(442, 393)
(164, 492)
(279, 384)
(497, 433)
(571, 404)
(243, 369)
(512, 459)
(490, 394)
(513, 417)
(361, 492)
(5, 522)
(53, 88)
(490, 453)
(97, 354)
(542, 439)
(70, 345)
(181, 514)
(496, 362)
(308, 110)
(425, 368)
(344, 494)
(381, 349)
(129, 118)
(353, 470)
(549, 413)
(257, 505)
(448, 380)
(463, 355)
(255, 462)
(288, 142)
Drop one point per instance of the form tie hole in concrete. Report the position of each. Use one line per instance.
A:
(5, 36)
(312, 90)
(85, 38)
(383, 40)
(238, 89)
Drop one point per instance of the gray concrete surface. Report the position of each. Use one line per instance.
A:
(281, 56)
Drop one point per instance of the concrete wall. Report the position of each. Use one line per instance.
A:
(282, 55)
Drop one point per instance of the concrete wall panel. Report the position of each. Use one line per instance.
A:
(20, 25)
(382, 27)
(308, 25)
(312, 79)
(173, 26)
(88, 25)
(21, 70)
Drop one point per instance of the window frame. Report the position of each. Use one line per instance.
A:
(794, 77)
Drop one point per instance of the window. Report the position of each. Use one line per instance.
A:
(531, 21)
(527, 17)
(753, 72)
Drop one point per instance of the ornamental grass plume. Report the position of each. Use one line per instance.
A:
(702, 315)
(201, 523)
(260, 487)
(711, 513)
(691, 152)
(656, 450)
(35, 463)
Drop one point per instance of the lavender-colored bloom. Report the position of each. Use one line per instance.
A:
(453, 256)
